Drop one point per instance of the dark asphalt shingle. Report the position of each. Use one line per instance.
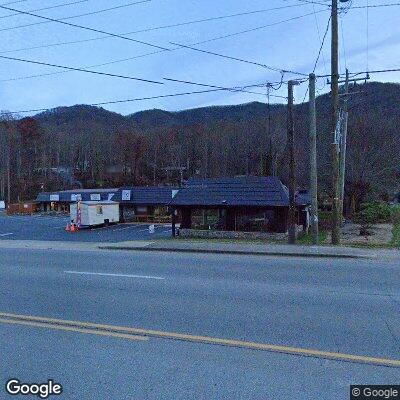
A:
(242, 191)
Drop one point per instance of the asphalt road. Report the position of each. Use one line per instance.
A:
(52, 228)
(341, 306)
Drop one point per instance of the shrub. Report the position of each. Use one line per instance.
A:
(396, 215)
(374, 213)
(324, 220)
(396, 235)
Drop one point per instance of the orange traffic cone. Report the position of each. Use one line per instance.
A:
(73, 228)
(67, 228)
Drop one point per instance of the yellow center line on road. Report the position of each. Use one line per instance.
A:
(73, 329)
(120, 330)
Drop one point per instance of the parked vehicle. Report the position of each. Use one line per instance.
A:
(94, 213)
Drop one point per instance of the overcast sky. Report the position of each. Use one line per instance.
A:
(289, 45)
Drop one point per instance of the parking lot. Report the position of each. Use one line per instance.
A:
(52, 228)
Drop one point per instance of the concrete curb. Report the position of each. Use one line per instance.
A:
(237, 252)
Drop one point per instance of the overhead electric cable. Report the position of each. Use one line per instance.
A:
(222, 17)
(240, 89)
(375, 6)
(126, 100)
(13, 2)
(352, 7)
(258, 27)
(46, 8)
(79, 69)
(87, 28)
(236, 59)
(322, 44)
(344, 43)
(48, 20)
(319, 38)
(150, 53)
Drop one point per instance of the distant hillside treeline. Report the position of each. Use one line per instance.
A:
(102, 148)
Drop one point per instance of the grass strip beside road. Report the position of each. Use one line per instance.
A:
(307, 238)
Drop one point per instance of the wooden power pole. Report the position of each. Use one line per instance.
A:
(8, 173)
(292, 176)
(313, 162)
(336, 220)
(343, 143)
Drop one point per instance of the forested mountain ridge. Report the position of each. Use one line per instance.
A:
(104, 148)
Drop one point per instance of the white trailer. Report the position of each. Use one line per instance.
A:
(94, 213)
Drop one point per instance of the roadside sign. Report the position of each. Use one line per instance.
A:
(126, 195)
(76, 197)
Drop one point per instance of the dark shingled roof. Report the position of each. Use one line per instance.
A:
(67, 195)
(146, 195)
(251, 191)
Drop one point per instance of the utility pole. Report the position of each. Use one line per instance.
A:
(313, 162)
(343, 143)
(336, 220)
(292, 176)
(8, 135)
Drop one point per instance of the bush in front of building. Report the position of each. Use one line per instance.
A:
(372, 213)
(396, 215)
(324, 220)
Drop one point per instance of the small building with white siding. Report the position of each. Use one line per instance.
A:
(94, 213)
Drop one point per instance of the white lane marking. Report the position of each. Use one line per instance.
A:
(118, 275)
(123, 229)
(6, 234)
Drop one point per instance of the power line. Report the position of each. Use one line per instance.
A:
(79, 69)
(379, 71)
(241, 89)
(344, 43)
(236, 59)
(312, 2)
(352, 7)
(375, 6)
(158, 51)
(46, 8)
(197, 21)
(173, 95)
(85, 27)
(13, 2)
(322, 44)
(258, 28)
(127, 100)
(319, 36)
(48, 20)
